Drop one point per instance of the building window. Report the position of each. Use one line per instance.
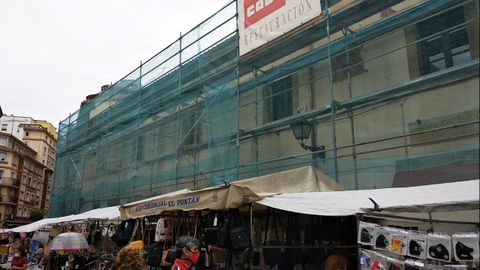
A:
(27, 133)
(344, 63)
(190, 126)
(3, 141)
(280, 99)
(4, 127)
(1, 174)
(446, 41)
(3, 156)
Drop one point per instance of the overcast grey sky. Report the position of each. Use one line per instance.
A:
(53, 53)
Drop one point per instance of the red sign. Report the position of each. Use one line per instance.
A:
(255, 10)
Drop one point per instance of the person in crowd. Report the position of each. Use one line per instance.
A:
(50, 260)
(39, 254)
(129, 258)
(70, 264)
(19, 261)
(190, 253)
(105, 261)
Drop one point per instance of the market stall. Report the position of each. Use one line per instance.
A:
(96, 226)
(423, 227)
(216, 215)
(106, 213)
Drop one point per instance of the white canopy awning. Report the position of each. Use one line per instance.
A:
(107, 213)
(429, 198)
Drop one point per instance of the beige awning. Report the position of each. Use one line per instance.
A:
(185, 199)
(305, 179)
(238, 193)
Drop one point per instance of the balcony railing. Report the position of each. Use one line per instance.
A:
(6, 181)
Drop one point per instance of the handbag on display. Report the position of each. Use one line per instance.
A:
(239, 233)
(155, 254)
(161, 230)
(123, 232)
(240, 238)
(213, 222)
(172, 254)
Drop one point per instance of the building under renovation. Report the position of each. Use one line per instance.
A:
(372, 93)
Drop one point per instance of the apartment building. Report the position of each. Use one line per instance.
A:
(21, 139)
(12, 124)
(22, 180)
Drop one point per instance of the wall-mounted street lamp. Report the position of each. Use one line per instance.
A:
(301, 131)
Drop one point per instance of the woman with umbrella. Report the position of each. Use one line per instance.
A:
(67, 243)
(19, 261)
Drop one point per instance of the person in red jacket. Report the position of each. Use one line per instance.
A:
(19, 261)
(190, 253)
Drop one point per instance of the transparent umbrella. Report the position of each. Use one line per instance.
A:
(69, 241)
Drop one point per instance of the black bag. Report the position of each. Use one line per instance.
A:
(211, 230)
(172, 254)
(154, 256)
(240, 238)
(124, 232)
(272, 256)
(239, 233)
(210, 235)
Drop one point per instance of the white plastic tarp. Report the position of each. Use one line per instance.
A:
(107, 213)
(429, 198)
(112, 212)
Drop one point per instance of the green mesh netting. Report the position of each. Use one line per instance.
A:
(389, 107)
